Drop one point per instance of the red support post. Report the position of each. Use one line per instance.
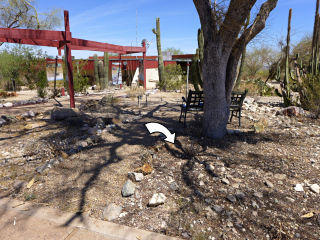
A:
(69, 58)
(144, 68)
(120, 70)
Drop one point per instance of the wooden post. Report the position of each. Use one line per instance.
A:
(69, 58)
(144, 68)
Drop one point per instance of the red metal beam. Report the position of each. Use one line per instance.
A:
(144, 68)
(33, 34)
(47, 43)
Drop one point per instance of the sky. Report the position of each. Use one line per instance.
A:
(128, 22)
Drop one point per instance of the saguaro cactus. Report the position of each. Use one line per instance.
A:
(101, 73)
(106, 69)
(96, 71)
(160, 58)
(285, 84)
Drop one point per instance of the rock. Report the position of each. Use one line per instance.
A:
(258, 194)
(225, 181)
(99, 122)
(230, 131)
(229, 224)
(209, 167)
(217, 208)
(248, 100)
(157, 199)
(111, 212)
(290, 111)
(128, 189)
(137, 177)
(315, 188)
(221, 169)
(268, 184)
(60, 114)
(174, 186)
(231, 198)
(20, 184)
(280, 176)
(9, 104)
(298, 187)
(28, 114)
(1, 105)
(92, 131)
(185, 235)
(2, 122)
(254, 204)
(210, 214)
(255, 213)
(240, 194)
(82, 144)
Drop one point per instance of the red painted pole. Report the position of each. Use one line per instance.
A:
(144, 68)
(120, 73)
(69, 58)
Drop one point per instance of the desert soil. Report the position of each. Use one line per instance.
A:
(243, 186)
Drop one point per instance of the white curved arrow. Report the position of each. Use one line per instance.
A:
(157, 127)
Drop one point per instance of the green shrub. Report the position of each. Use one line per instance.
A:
(173, 78)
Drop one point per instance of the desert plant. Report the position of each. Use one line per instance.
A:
(160, 58)
(173, 78)
(106, 70)
(96, 71)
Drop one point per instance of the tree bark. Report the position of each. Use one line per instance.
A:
(222, 49)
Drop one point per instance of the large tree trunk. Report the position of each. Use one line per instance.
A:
(222, 51)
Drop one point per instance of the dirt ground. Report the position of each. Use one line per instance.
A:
(239, 187)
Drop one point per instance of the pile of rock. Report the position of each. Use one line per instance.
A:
(24, 102)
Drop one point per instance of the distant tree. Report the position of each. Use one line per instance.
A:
(303, 48)
(24, 14)
(173, 78)
(173, 50)
(258, 58)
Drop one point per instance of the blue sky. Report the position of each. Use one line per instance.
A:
(114, 21)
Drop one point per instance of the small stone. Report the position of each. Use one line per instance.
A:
(268, 184)
(157, 199)
(232, 198)
(221, 169)
(209, 167)
(19, 184)
(297, 235)
(235, 185)
(225, 181)
(280, 176)
(2, 122)
(255, 213)
(229, 224)
(174, 186)
(240, 194)
(111, 212)
(185, 235)
(9, 104)
(217, 208)
(258, 194)
(200, 175)
(298, 187)
(254, 204)
(315, 188)
(201, 183)
(209, 213)
(137, 177)
(128, 189)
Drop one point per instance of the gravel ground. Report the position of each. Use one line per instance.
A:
(238, 187)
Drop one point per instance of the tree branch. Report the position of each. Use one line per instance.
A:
(256, 27)
(208, 24)
(235, 18)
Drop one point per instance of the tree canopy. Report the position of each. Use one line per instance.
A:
(24, 14)
(173, 50)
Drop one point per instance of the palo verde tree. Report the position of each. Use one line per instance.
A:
(24, 14)
(222, 49)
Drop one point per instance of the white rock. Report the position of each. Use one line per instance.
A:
(9, 104)
(138, 177)
(225, 181)
(315, 188)
(157, 199)
(298, 187)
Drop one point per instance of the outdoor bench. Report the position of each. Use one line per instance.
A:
(195, 102)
